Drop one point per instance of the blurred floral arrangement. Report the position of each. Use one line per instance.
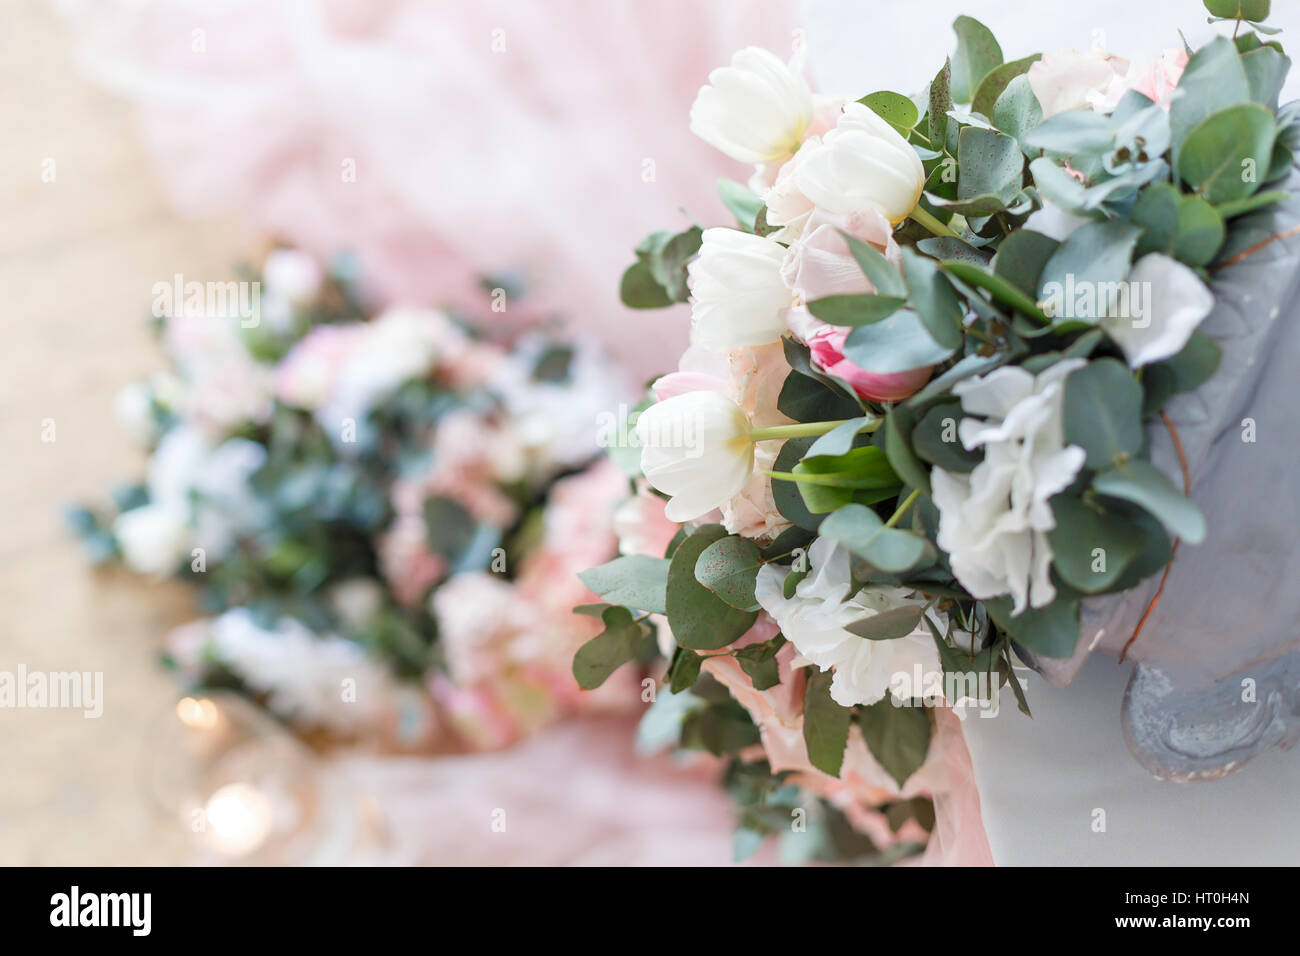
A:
(904, 445)
(384, 514)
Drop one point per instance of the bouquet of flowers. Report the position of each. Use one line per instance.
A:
(384, 517)
(911, 434)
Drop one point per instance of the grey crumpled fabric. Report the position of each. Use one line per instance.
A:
(1230, 611)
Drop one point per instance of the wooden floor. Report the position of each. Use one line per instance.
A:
(77, 259)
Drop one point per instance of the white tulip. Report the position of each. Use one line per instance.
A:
(755, 110)
(695, 448)
(862, 162)
(994, 522)
(816, 619)
(1174, 302)
(737, 293)
(154, 538)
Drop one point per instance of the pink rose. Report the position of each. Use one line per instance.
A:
(1157, 79)
(827, 347)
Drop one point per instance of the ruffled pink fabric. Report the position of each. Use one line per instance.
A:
(484, 135)
(958, 838)
(608, 806)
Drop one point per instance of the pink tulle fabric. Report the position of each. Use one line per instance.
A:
(577, 794)
(442, 141)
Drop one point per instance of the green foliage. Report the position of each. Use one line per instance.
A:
(894, 108)
(728, 568)
(977, 54)
(700, 620)
(825, 723)
(634, 580)
(658, 277)
(621, 641)
(898, 737)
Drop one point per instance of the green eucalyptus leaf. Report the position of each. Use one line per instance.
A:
(896, 344)
(976, 56)
(1050, 631)
(1255, 10)
(1097, 255)
(635, 580)
(940, 104)
(1017, 110)
(862, 532)
(1266, 71)
(1146, 486)
(1225, 156)
(1091, 548)
(1021, 257)
(825, 723)
(741, 201)
(620, 641)
(759, 662)
(1185, 227)
(894, 108)
(698, 618)
(935, 439)
(898, 737)
(888, 625)
(997, 80)
(639, 290)
(934, 300)
(685, 670)
(855, 310)
(990, 164)
(1103, 412)
(897, 442)
(880, 272)
(729, 568)
(1057, 185)
(1213, 80)
(999, 288)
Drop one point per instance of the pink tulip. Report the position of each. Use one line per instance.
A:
(827, 346)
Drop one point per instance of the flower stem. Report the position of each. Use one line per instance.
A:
(903, 508)
(801, 430)
(934, 225)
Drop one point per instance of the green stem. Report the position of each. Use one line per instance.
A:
(902, 509)
(802, 430)
(934, 225)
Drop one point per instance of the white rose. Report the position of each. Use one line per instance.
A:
(862, 162)
(994, 522)
(154, 538)
(1175, 301)
(737, 292)
(816, 619)
(755, 110)
(695, 448)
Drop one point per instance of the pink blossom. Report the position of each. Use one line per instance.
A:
(307, 375)
(641, 525)
(406, 562)
(819, 263)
